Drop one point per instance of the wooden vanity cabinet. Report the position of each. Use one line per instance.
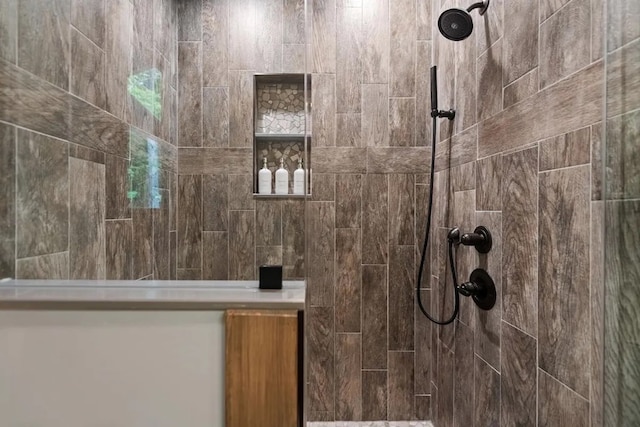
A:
(263, 368)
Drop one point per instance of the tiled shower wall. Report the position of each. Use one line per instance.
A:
(523, 157)
(87, 99)
(222, 231)
(369, 355)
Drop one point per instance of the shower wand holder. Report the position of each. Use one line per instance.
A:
(480, 238)
(443, 114)
(480, 288)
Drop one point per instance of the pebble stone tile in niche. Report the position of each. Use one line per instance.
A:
(371, 424)
(280, 109)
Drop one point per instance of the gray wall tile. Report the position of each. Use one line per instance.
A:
(323, 98)
(215, 42)
(215, 116)
(348, 292)
(190, 221)
(560, 405)
(51, 266)
(349, 58)
(375, 115)
(321, 252)
(374, 319)
(348, 200)
(570, 149)
(374, 395)
(401, 297)
(215, 255)
(375, 219)
(9, 30)
(376, 41)
(190, 100)
(119, 241)
(348, 377)
(323, 22)
(402, 47)
(520, 38)
(242, 228)
(87, 70)
(321, 369)
(401, 399)
(487, 397)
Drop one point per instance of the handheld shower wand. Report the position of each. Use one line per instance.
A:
(435, 113)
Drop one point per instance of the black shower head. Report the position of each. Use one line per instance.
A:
(456, 24)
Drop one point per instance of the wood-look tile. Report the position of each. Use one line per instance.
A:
(190, 99)
(340, 160)
(463, 385)
(43, 39)
(423, 91)
(348, 376)
(491, 30)
(401, 209)
(269, 34)
(51, 267)
(293, 58)
(402, 45)
(375, 219)
(215, 42)
(487, 394)
(242, 261)
(558, 404)
(87, 70)
(161, 238)
(89, 18)
(116, 188)
(621, 15)
(215, 202)
(189, 221)
(549, 7)
(401, 403)
(520, 259)
(240, 108)
(142, 242)
(375, 115)
(324, 187)
(622, 157)
(374, 317)
(520, 38)
(173, 255)
(215, 255)
(348, 200)
(293, 238)
(567, 30)
(240, 192)
(401, 297)
(142, 36)
(348, 291)
(464, 217)
(466, 85)
(323, 22)
(189, 274)
(42, 198)
(458, 150)
(422, 196)
(323, 114)
(212, 161)
(404, 160)
(118, 49)
(349, 58)
(376, 43)
(8, 196)
(598, 29)
(563, 274)
(402, 118)
(570, 149)
(88, 154)
(423, 407)
(321, 368)
(294, 17)
(119, 245)
(8, 30)
(423, 348)
(597, 164)
(173, 113)
(320, 416)
(463, 177)
(268, 223)
(189, 20)
(489, 184)
(86, 220)
(518, 125)
(321, 252)
(490, 81)
(518, 378)
(521, 89)
(487, 323)
(162, 111)
(424, 19)
(374, 395)
(268, 255)
(597, 298)
(445, 384)
(242, 34)
(215, 117)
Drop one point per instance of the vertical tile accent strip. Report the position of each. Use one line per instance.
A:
(189, 221)
(321, 371)
(375, 115)
(215, 255)
(161, 239)
(268, 223)
(401, 297)
(190, 89)
(349, 58)
(518, 378)
(487, 394)
(42, 200)
(117, 187)
(444, 383)
(374, 317)
(402, 122)
(215, 117)
(520, 219)
(323, 22)
(321, 252)
(8, 196)
(119, 246)
(597, 298)
(401, 209)
(402, 47)
(242, 256)
(86, 220)
(117, 48)
(240, 108)
(463, 400)
(348, 293)
(242, 35)
(374, 395)
(348, 200)
(348, 376)
(559, 405)
(520, 38)
(401, 376)
(87, 70)
(215, 42)
(323, 98)
(375, 41)
(142, 242)
(563, 301)
(189, 20)
(215, 202)
(375, 223)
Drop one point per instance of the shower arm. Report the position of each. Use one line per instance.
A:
(482, 5)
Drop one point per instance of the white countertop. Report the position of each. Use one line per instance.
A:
(149, 295)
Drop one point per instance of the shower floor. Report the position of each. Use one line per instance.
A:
(371, 424)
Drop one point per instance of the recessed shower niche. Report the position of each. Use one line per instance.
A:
(282, 130)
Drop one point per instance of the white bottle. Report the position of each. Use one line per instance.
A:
(282, 179)
(298, 179)
(264, 179)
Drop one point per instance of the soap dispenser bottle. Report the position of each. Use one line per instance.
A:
(264, 179)
(282, 179)
(298, 179)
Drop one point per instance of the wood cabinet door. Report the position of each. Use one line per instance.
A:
(261, 368)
